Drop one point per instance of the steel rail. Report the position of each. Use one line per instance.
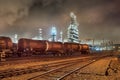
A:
(97, 58)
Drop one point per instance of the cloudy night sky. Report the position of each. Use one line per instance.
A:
(97, 19)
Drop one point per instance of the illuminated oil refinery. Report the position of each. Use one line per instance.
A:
(73, 36)
(59, 40)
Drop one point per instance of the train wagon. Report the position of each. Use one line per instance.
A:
(32, 47)
(6, 46)
(29, 47)
(55, 48)
(70, 48)
(84, 49)
(23, 46)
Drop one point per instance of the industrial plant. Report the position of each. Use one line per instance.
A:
(73, 36)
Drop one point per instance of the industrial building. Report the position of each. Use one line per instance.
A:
(73, 33)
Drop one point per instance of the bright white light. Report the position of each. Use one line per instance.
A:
(97, 49)
(16, 35)
(50, 39)
(54, 31)
(61, 33)
(15, 38)
(72, 15)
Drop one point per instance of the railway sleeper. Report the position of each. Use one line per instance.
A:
(7, 75)
(42, 69)
(31, 71)
(35, 70)
(19, 72)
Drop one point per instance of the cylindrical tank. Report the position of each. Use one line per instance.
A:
(67, 46)
(84, 48)
(23, 44)
(75, 47)
(54, 47)
(38, 45)
(31, 45)
(71, 47)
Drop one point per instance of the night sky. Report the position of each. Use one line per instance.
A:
(97, 19)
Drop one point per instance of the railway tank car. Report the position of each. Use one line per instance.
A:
(6, 45)
(27, 46)
(70, 48)
(55, 47)
(84, 49)
(30, 47)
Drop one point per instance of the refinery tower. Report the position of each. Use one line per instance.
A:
(73, 33)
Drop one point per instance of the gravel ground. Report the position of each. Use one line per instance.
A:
(97, 71)
(99, 67)
(26, 76)
(30, 63)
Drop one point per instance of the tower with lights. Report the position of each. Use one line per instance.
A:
(39, 37)
(73, 33)
(40, 34)
(61, 37)
(53, 33)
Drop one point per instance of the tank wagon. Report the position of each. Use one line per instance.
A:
(85, 49)
(70, 48)
(29, 47)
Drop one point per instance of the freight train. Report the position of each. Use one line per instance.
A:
(28, 47)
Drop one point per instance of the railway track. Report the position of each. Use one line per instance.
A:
(22, 60)
(46, 67)
(60, 73)
(73, 71)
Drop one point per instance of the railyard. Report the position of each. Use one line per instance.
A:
(101, 66)
(59, 40)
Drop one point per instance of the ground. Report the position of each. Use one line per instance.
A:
(105, 69)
